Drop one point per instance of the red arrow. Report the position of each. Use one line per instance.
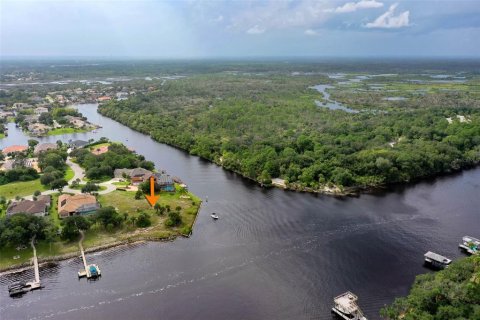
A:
(152, 198)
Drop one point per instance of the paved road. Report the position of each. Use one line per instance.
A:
(79, 173)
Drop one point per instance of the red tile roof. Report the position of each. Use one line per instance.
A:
(14, 148)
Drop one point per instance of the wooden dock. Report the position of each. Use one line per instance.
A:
(89, 271)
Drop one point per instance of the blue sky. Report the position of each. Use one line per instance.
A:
(203, 29)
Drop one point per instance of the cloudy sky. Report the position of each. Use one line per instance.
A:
(199, 29)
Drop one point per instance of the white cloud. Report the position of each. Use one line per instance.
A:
(310, 32)
(218, 19)
(389, 21)
(255, 30)
(354, 6)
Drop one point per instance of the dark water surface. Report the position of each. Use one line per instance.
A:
(271, 255)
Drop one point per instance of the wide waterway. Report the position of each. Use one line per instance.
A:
(273, 254)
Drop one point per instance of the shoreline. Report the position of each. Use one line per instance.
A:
(334, 191)
(67, 256)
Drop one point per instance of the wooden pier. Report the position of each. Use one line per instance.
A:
(89, 271)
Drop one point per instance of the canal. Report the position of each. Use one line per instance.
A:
(272, 254)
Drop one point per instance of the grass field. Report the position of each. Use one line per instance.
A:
(69, 174)
(59, 131)
(2, 135)
(125, 203)
(21, 189)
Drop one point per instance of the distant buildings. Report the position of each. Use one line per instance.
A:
(139, 175)
(79, 204)
(37, 207)
(40, 110)
(38, 129)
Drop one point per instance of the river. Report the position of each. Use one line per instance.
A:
(273, 254)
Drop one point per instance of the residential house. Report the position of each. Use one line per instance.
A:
(38, 128)
(9, 164)
(6, 114)
(137, 175)
(14, 149)
(165, 182)
(40, 110)
(21, 106)
(103, 98)
(32, 118)
(78, 144)
(44, 147)
(79, 204)
(37, 207)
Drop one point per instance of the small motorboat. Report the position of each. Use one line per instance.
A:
(214, 216)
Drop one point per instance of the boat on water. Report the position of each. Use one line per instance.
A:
(470, 245)
(214, 216)
(92, 272)
(345, 306)
(436, 260)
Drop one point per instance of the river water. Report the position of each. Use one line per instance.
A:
(273, 254)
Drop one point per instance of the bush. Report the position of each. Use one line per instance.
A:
(174, 219)
(90, 187)
(143, 220)
(138, 195)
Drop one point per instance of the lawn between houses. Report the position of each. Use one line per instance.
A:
(124, 202)
(60, 131)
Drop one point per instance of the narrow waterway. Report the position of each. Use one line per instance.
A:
(271, 255)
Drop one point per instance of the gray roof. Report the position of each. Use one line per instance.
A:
(28, 206)
(44, 147)
(139, 172)
(163, 179)
(78, 143)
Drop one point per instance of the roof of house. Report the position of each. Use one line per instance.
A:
(44, 147)
(73, 203)
(78, 143)
(163, 179)
(140, 172)
(14, 148)
(29, 206)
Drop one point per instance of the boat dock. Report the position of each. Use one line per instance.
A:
(470, 245)
(90, 270)
(436, 260)
(19, 288)
(345, 306)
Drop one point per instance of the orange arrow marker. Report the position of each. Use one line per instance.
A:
(152, 198)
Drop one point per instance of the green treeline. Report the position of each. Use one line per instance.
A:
(266, 126)
(453, 293)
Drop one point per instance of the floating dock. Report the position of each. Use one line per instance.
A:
(470, 245)
(345, 306)
(436, 260)
(91, 271)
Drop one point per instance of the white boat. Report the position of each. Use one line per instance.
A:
(436, 260)
(214, 216)
(345, 306)
(470, 245)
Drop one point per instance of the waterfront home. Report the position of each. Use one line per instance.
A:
(14, 149)
(32, 118)
(38, 128)
(76, 121)
(6, 114)
(44, 147)
(103, 99)
(137, 175)
(40, 110)
(77, 144)
(79, 204)
(37, 207)
(165, 182)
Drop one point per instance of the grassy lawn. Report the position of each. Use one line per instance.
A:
(65, 131)
(125, 203)
(121, 183)
(95, 146)
(2, 135)
(24, 188)
(69, 174)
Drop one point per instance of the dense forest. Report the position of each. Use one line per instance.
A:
(453, 293)
(266, 125)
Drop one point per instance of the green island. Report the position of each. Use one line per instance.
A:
(121, 214)
(362, 131)
(61, 131)
(453, 293)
